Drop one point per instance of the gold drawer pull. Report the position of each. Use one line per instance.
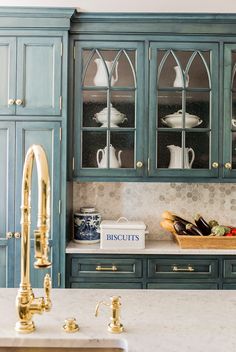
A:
(100, 268)
(188, 269)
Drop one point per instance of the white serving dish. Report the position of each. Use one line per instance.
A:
(176, 120)
(122, 234)
(116, 117)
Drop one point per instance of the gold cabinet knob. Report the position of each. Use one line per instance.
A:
(70, 325)
(215, 165)
(228, 166)
(11, 101)
(17, 235)
(19, 101)
(139, 164)
(9, 235)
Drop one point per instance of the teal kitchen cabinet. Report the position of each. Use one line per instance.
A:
(104, 271)
(108, 109)
(31, 82)
(23, 135)
(229, 156)
(33, 110)
(183, 272)
(7, 223)
(184, 121)
(183, 101)
(146, 271)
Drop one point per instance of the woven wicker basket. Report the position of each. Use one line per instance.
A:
(206, 242)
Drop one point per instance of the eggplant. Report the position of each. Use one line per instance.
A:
(202, 225)
(194, 230)
(180, 228)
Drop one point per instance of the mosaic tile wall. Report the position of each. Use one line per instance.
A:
(146, 201)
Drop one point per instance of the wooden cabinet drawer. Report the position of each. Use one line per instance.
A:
(229, 268)
(182, 268)
(182, 286)
(115, 285)
(107, 267)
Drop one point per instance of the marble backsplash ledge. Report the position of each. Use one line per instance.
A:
(146, 201)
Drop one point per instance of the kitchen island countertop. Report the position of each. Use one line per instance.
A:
(154, 320)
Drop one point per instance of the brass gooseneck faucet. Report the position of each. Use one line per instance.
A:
(27, 305)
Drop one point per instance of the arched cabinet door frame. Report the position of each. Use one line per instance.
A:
(133, 135)
(161, 52)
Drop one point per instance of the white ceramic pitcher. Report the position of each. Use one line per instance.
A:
(114, 161)
(176, 154)
(100, 78)
(178, 82)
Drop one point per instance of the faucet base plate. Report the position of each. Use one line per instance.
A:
(115, 329)
(25, 327)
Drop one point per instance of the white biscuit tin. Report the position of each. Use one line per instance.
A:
(122, 234)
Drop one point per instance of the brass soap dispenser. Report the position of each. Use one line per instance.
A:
(114, 326)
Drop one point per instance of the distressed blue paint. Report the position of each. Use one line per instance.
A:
(7, 148)
(47, 135)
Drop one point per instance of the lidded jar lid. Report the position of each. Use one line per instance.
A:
(87, 210)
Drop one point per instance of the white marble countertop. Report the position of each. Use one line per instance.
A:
(152, 247)
(154, 321)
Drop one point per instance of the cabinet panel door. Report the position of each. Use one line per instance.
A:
(229, 144)
(109, 109)
(183, 110)
(109, 285)
(38, 76)
(8, 75)
(47, 134)
(182, 286)
(7, 158)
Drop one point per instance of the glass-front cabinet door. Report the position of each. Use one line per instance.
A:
(229, 144)
(183, 110)
(108, 109)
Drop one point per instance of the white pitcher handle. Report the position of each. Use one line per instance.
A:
(190, 150)
(98, 152)
(119, 157)
(116, 72)
(163, 121)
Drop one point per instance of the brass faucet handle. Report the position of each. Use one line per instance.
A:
(47, 288)
(70, 325)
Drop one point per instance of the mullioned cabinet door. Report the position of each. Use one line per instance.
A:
(229, 143)
(47, 134)
(8, 75)
(108, 109)
(38, 76)
(7, 151)
(184, 117)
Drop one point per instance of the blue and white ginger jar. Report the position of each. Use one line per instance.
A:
(87, 226)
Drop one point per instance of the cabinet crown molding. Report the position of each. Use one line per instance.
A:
(35, 18)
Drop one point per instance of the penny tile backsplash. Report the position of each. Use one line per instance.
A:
(146, 201)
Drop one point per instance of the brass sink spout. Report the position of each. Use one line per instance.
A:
(27, 305)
